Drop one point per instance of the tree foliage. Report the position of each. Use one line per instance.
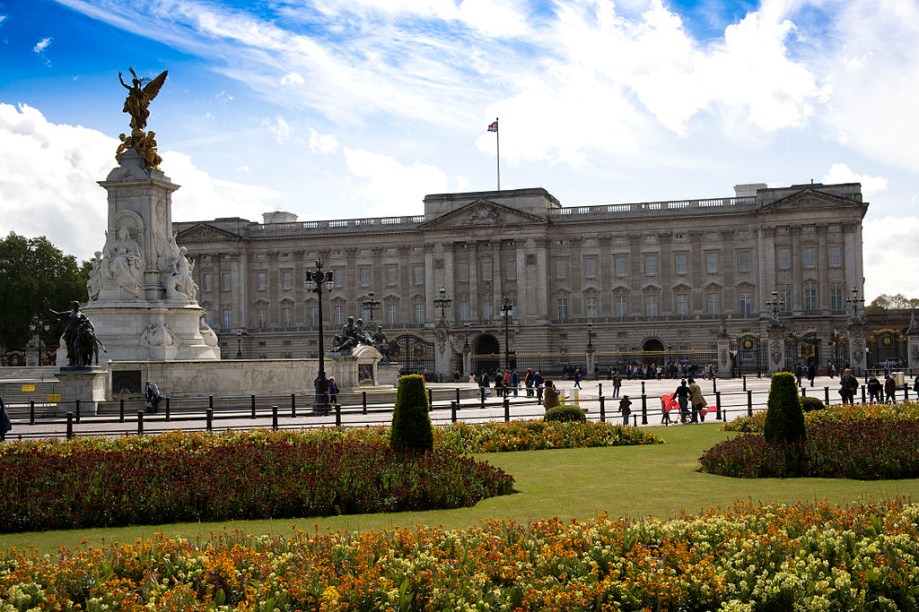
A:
(894, 302)
(33, 270)
(411, 423)
(784, 415)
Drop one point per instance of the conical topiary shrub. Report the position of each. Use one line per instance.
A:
(411, 423)
(784, 416)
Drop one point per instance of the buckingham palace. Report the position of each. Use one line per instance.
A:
(493, 279)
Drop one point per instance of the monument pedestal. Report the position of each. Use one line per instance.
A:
(86, 385)
(776, 348)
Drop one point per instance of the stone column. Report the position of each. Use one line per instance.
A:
(858, 357)
(724, 352)
(84, 384)
(776, 334)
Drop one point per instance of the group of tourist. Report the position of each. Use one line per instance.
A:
(688, 399)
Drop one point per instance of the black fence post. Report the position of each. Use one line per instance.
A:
(210, 402)
(457, 395)
(905, 392)
(140, 422)
(600, 389)
(644, 406)
(602, 409)
(714, 384)
(293, 405)
(252, 405)
(453, 412)
(507, 409)
(750, 403)
(863, 395)
(168, 408)
(744, 382)
(338, 415)
(642, 387)
(826, 396)
(364, 401)
(31, 412)
(482, 396)
(274, 418)
(718, 407)
(69, 425)
(121, 410)
(431, 397)
(77, 403)
(210, 419)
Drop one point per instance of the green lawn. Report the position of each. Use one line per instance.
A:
(636, 481)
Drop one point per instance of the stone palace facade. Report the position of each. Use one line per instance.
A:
(591, 286)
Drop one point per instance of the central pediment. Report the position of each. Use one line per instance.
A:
(482, 213)
(810, 199)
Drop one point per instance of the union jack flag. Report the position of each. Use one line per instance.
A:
(493, 126)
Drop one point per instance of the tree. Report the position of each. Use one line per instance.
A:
(784, 415)
(411, 423)
(33, 270)
(893, 302)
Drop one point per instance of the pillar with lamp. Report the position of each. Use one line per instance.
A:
(507, 311)
(319, 282)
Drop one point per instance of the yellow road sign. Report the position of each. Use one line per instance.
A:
(28, 388)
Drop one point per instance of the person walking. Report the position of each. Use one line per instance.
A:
(890, 390)
(537, 383)
(5, 423)
(551, 396)
(697, 400)
(874, 389)
(617, 383)
(577, 378)
(625, 409)
(153, 396)
(333, 391)
(528, 381)
(848, 385)
(515, 380)
(682, 395)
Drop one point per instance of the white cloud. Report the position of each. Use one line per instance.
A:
(292, 78)
(890, 263)
(278, 127)
(841, 173)
(49, 187)
(392, 188)
(41, 45)
(325, 144)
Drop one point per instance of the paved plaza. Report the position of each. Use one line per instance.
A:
(737, 396)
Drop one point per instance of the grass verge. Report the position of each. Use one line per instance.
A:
(637, 481)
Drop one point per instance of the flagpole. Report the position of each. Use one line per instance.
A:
(498, 142)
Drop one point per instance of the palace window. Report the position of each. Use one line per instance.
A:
(261, 317)
(226, 283)
(561, 269)
(418, 275)
(651, 305)
(339, 315)
(837, 303)
(622, 306)
(510, 269)
(419, 313)
(312, 317)
(286, 317)
(746, 304)
(487, 271)
(391, 316)
(261, 280)
(810, 299)
(392, 274)
(590, 267)
(591, 308)
(711, 262)
(681, 303)
(562, 304)
(364, 275)
(679, 263)
(834, 256)
(810, 257)
(287, 279)
(784, 259)
(713, 301)
(621, 266)
(743, 261)
(206, 281)
(650, 265)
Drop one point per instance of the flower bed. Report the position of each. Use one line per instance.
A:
(806, 556)
(200, 477)
(853, 441)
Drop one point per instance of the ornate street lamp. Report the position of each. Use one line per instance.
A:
(776, 305)
(590, 336)
(316, 282)
(37, 326)
(466, 341)
(856, 302)
(371, 304)
(442, 302)
(507, 311)
(239, 344)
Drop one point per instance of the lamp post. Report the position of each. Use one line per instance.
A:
(466, 350)
(507, 310)
(239, 344)
(590, 336)
(442, 302)
(316, 282)
(855, 301)
(37, 326)
(776, 305)
(371, 304)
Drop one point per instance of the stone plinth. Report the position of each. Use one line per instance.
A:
(88, 385)
(776, 348)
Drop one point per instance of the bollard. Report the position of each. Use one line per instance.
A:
(642, 387)
(69, 425)
(209, 418)
(749, 403)
(600, 389)
(577, 398)
(457, 395)
(482, 396)
(77, 402)
(293, 404)
(252, 405)
(168, 409)
(744, 382)
(602, 409)
(826, 396)
(905, 392)
(430, 397)
(31, 412)
(140, 422)
(718, 407)
(453, 412)
(714, 385)
(210, 402)
(274, 418)
(507, 409)
(863, 395)
(338, 415)
(634, 420)
(644, 408)
(364, 401)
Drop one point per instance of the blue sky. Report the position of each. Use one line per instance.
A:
(359, 108)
